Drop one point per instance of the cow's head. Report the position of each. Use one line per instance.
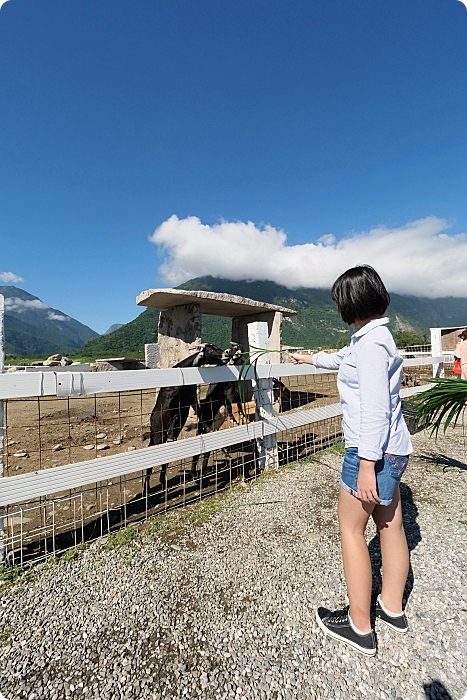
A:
(207, 354)
(233, 355)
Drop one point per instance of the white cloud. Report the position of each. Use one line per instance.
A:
(52, 316)
(419, 258)
(20, 305)
(10, 278)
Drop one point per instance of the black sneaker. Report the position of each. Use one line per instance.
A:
(398, 623)
(337, 625)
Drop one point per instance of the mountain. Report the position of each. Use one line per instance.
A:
(317, 322)
(129, 338)
(32, 327)
(132, 336)
(113, 327)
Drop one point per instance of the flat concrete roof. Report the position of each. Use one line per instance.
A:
(213, 303)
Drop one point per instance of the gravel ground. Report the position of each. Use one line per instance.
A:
(223, 606)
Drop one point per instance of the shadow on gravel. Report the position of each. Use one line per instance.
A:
(412, 532)
(442, 460)
(437, 691)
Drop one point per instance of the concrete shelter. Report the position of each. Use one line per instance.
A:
(180, 319)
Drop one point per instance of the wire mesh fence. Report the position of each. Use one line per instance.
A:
(46, 432)
(415, 350)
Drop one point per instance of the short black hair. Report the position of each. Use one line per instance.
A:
(359, 293)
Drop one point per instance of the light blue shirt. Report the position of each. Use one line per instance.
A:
(369, 378)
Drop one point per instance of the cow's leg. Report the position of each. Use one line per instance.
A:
(147, 479)
(163, 476)
(194, 466)
(198, 478)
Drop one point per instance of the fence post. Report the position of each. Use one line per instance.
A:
(437, 350)
(2, 422)
(258, 337)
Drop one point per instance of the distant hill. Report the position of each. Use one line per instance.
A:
(113, 327)
(132, 336)
(317, 322)
(32, 327)
(128, 338)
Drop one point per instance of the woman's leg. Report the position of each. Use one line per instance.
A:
(353, 519)
(395, 553)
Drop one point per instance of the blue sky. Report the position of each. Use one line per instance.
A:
(314, 117)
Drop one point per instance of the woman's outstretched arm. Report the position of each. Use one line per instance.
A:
(323, 360)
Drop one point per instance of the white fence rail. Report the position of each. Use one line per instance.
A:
(17, 385)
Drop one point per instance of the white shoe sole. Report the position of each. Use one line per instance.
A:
(391, 627)
(365, 652)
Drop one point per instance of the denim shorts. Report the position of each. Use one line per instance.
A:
(389, 471)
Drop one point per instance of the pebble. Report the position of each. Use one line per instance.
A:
(23, 454)
(102, 447)
(226, 609)
(101, 436)
(130, 448)
(89, 447)
(57, 448)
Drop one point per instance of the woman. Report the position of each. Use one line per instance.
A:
(461, 353)
(377, 447)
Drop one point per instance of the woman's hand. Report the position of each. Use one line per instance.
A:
(299, 359)
(366, 482)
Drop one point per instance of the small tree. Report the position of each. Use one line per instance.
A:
(405, 339)
(343, 341)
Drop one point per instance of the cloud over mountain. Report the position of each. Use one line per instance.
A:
(10, 278)
(52, 316)
(20, 305)
(420, 258)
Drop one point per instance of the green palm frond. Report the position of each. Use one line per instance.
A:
(441, 405)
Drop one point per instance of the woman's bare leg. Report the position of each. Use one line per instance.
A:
(394, 551)
(353, 519)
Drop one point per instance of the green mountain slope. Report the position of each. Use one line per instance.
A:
(317, 322)
(130, 337)
(32, 327)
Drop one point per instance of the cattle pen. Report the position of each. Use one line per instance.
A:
(53, 496)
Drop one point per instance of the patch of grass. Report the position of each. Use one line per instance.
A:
(12, 573)
(337, 449)
(289, 467)
(205, 510)
(121, 538)
(5, 635)
(70, 555)
(168, 527)
(463, 522)
(9, 574)
(161, 525)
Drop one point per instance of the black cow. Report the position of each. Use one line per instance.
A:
(214, 408)
(170, 413)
